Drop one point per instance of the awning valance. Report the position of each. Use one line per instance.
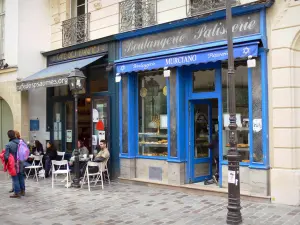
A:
(189, 58)
(55, 75)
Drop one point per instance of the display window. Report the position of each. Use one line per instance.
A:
(248, 112)
(152, 114)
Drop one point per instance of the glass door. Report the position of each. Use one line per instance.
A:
(100, 122)
(200, 137)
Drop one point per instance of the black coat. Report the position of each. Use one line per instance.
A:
(52, 153)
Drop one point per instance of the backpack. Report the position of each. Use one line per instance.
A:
(23, 151)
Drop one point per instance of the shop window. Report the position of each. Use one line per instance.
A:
(257, 113)
(57, 126)
(204, 81)
(69, 126)
(98, 80)
(153, 127)
(61, 91)
(242, 111)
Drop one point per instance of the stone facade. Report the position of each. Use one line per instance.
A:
(284, 101)
(18, 103)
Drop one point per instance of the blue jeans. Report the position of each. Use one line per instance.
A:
(18, 183)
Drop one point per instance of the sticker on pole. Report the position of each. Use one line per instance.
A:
(257, 125)
(231, 177)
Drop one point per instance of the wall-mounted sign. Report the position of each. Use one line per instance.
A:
(34, 125)
(92, 50)
(193, 35)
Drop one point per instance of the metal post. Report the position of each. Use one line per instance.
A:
(76, 163)
(234, 215)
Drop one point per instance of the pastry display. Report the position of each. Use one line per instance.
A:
(240, 145)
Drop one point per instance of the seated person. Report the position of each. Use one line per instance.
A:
(38, 150)
(51, 154)
(82, 151)
(103, 154)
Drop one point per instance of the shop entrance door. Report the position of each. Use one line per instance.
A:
(200, 136)
(100, 122)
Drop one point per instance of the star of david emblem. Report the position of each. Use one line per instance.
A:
(246, 50)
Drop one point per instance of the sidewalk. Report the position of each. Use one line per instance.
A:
(121, 203)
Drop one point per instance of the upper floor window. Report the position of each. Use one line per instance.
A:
(198, 7)
(78, 7)
(2, 14)
(135, 14)
(76, 30)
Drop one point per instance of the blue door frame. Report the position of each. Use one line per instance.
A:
(202, 97)
(192, 140)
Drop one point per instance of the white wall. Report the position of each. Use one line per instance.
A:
(11, 32)
(34, 36)
(37, 110)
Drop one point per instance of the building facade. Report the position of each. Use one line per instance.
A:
(169, 101)
(17, 45)
(173, 99)
(77, 40)
(284, 70)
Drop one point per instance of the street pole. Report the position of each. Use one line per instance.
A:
(76, 153)
(234, 215)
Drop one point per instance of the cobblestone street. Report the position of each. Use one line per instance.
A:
(128, 204)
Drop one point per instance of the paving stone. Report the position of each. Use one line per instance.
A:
(120, 203)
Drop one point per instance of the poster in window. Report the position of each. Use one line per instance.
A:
(101, 135)
(69, 135)
(257, 125)
(95, 115)
(57, 135)
(94, 140)
(163, 121)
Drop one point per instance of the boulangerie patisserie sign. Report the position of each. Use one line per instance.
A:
(243, 25)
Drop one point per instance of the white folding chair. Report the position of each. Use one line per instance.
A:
(98, 174)
(55, 172)
(62, 155)
(36, 164)
(105, 171)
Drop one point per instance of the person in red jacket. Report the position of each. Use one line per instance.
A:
(18, 180)
(10, 165)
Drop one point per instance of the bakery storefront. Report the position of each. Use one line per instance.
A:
(97, 102)
(173, 101)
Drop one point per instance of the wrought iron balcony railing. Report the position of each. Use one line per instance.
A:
(200, 7)
(76, 30)
(135, 14)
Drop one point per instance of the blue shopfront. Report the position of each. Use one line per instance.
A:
(173, 100)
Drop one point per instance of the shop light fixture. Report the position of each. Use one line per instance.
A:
(251, 63)
(118, 77)
(167, 72)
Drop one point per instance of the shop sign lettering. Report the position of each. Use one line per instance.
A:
(92, 50)
(193, 35)
(48, 82)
